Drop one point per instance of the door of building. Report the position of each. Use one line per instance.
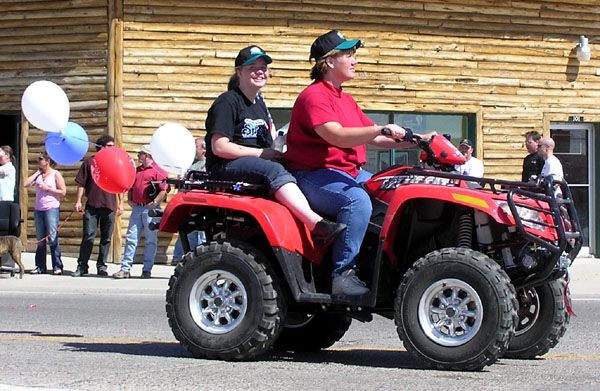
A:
(573, 148)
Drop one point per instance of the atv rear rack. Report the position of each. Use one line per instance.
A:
(200, 180)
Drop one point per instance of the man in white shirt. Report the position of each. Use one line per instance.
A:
(473, 166)
(552, 166)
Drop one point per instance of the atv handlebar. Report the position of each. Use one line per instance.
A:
(409, 136)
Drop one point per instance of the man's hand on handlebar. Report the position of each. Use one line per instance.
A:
(395, 132)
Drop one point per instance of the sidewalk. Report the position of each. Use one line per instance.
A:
(90, 283)
(585, 278)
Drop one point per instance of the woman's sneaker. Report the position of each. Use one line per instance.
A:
(348, 284)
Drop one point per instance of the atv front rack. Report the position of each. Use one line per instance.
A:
(562, 209)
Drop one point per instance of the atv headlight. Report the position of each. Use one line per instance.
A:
(530, 218)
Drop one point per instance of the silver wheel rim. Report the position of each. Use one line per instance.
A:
(528, 315)
(218, 302)
(450, 312)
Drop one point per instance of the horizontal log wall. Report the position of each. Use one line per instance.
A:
(64, 42)
(511, 62)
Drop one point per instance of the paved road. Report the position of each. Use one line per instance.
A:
(99, 333)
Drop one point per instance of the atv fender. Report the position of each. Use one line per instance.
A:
(280, 227)
(453, 195)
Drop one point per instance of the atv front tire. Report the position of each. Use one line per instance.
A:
(456, 310)
(312, 332)
(543, 320)
(223, 304)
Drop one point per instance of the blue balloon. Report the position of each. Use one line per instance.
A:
(69, 146)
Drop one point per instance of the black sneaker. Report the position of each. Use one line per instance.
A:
(102, 273)
(79, 272)
(326, 231)
(146, 275)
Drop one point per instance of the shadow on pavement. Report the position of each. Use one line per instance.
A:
(355, 357)
(156, 349)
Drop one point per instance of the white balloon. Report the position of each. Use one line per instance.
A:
(45, 106)
(173, 148)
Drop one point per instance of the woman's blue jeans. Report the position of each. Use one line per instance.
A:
(336, 193)
(46, 222)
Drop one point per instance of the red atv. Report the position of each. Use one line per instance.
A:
(470, 269)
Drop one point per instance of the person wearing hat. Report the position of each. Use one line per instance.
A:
(473, 166)
(142, 197)
(326, 148)
(240, 145)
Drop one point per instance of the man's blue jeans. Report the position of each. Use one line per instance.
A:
(92, 218)
(195, 238)
(46, 222)
(336, 193)
(138, 222)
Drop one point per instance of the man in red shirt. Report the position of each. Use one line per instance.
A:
(147, 192)
(326, 144)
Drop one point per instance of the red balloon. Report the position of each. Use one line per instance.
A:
(113, 170)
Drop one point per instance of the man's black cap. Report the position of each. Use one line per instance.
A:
(329, 41)
(465, 141)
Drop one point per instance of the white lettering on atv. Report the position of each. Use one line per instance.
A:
(391, 183)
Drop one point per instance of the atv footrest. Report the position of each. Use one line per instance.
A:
(314, 298)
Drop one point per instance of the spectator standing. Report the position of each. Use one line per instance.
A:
(196, 237)
(99, 212)
(326, 149)
(49, 189)
(533, 163)
(473, 166)
(8, 174)
(140, 200)
(552, 166)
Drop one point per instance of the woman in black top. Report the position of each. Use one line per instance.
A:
(239, 142)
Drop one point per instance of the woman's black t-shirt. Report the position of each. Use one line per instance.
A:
(241, 121)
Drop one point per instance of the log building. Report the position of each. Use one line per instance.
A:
(489, 70)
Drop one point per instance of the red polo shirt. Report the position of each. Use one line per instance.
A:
(143, 177)
(318, 104)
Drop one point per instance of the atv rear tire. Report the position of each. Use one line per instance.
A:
(223, 304)
(456, 310)
(543, 320)
(312, 332)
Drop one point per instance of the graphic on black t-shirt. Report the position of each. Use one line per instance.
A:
(252, 127)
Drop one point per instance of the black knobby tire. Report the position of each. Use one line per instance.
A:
(312, 332)
(543, 320)
(223, 304)
(456, 310)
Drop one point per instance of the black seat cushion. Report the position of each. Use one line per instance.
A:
(10, 218)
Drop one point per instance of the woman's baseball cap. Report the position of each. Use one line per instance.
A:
(249, 55)
(329, 41)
